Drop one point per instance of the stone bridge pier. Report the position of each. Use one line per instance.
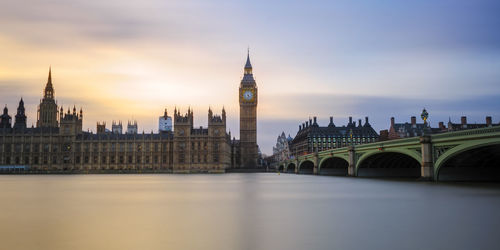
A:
(351, 169)
(427, 165)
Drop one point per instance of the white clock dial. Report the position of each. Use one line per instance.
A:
(248, 95)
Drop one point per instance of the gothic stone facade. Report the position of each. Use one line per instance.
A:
(248, 148)
(61, 144)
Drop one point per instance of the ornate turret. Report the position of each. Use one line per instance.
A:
(47, 110)
(223, 114)
(49, 89)
(183, 124)
(5, 119)
(248, 79)
(71, 123)
(248, 65)
(20, 122)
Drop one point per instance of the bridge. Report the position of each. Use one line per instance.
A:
(462, 155)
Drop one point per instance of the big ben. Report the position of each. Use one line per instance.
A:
(248, 118)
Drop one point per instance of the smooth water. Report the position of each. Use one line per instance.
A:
(244, 211)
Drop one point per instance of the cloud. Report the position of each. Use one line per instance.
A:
(131, 59)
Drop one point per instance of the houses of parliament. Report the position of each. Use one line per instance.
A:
(58, 143)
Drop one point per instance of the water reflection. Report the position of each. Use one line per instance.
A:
(244, 211)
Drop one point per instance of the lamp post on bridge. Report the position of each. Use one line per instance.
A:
(427, 164)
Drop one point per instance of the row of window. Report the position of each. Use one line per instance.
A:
(85, 159)
(343, 139)
(67, 147)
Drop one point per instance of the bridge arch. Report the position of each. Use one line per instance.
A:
(389, 163)
(281, 167)
(306, 167)
(290, 168)
(471, 161)
(333, 166)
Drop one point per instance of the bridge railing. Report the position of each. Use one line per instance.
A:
(477, 131)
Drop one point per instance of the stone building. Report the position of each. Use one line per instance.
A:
(404, 130)
(281, 151)
(412, 129)
(463, 125)
(248, 97)
(313, 138)
(59, 144)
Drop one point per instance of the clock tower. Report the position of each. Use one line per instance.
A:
(248, 118)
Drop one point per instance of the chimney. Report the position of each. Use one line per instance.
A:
(350, 120)
(359, 122)
(366, 120)
(488, 121)
(314, 120)
(392, 121)
(307, 124)
(331, 119)
(354, 124)
(464, 120)
(310, 122)
(441, 126)
(300, 127)
(413, 120)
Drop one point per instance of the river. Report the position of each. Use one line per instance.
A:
(244, 211)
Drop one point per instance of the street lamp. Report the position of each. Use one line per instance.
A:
(424, 117)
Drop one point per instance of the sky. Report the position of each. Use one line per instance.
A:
(129, 60)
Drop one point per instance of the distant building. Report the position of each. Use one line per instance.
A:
(384, 135)
(132, 127)
(58, 142)
(281, 151)
(117, 128)
(412, 129)
(63, 146)
(313, 138)
(165, 122)
(404, 130)
(464, 125)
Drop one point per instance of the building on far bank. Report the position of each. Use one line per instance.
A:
(281, 151)
(404, 130)
(412, 129)
(313, 138)
(59, 144)
(463, 125)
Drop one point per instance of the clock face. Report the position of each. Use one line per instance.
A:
(248, 95)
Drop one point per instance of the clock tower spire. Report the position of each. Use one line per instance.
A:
(248, 117)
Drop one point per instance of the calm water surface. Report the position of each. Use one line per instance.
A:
(244, 211)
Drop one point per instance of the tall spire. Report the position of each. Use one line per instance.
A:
(248, 65)
(248, 75)
(49, 89)
(49, 81)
